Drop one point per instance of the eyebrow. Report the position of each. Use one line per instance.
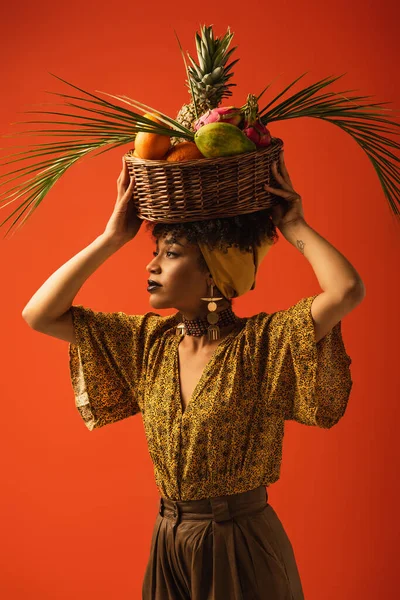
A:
(171, 241)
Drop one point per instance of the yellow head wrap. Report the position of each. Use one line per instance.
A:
(234, 273)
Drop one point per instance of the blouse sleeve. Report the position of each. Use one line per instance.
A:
(309, 382)
(106, 363)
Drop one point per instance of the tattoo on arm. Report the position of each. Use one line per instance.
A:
(300, 245)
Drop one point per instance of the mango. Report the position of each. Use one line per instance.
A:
(222, 139)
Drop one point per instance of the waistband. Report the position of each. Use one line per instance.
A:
(220, 508)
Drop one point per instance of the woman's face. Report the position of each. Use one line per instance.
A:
(176, 267)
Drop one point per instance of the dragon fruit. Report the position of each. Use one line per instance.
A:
(258, 133)
(224, 114)
(253, 127)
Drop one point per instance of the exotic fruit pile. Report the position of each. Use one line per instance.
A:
(223, 131)
(219, 130)
(227, 131)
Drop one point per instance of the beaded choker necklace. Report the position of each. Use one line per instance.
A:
(198, 327)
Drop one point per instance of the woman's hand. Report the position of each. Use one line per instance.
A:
(124, 222)
(291, 208)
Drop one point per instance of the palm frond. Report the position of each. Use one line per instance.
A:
(189, 79)
(136, 118)
(97, 126)
(37, 189)
(266, 88)
(364, 122)
(181, 129)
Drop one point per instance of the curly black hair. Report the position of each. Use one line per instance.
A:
(241, 231)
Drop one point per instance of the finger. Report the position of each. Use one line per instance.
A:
(121, 178)
(125, 185)
(129, 189)
(125, 178)
(284, 179)
(125, 171)
(274, 168)
(272, 189)
(276, 191)
(122, 181)
(283, 168)
(280, 179)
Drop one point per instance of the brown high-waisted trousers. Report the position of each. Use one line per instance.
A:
(226, 548)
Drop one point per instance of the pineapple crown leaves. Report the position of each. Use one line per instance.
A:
(207, 81)
(212, 51)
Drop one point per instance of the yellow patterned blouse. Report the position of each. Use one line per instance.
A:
(229, 438)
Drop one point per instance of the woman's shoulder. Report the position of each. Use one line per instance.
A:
(280, 322)
(259, 327)
(122, 322)
(298, 307)
(252, 321)
(154, 323)
(153, 317)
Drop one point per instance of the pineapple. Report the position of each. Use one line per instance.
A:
(208, 79)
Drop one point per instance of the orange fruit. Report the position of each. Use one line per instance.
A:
(153, 117)
(183, 151)
(152, 146)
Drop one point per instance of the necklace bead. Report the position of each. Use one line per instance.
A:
(198, 327)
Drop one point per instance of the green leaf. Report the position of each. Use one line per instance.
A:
(182, 130)
(192, 93)
(361, 121)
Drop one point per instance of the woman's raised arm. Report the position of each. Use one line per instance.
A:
(47, 310)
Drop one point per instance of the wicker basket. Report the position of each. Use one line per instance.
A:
(207, 188)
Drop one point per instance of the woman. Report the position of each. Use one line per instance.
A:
(213, 389)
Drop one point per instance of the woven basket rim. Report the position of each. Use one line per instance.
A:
(204, 161)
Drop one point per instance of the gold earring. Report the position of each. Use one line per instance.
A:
(213, 330)
(181, 329)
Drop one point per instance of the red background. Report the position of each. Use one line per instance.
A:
(78, 508)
